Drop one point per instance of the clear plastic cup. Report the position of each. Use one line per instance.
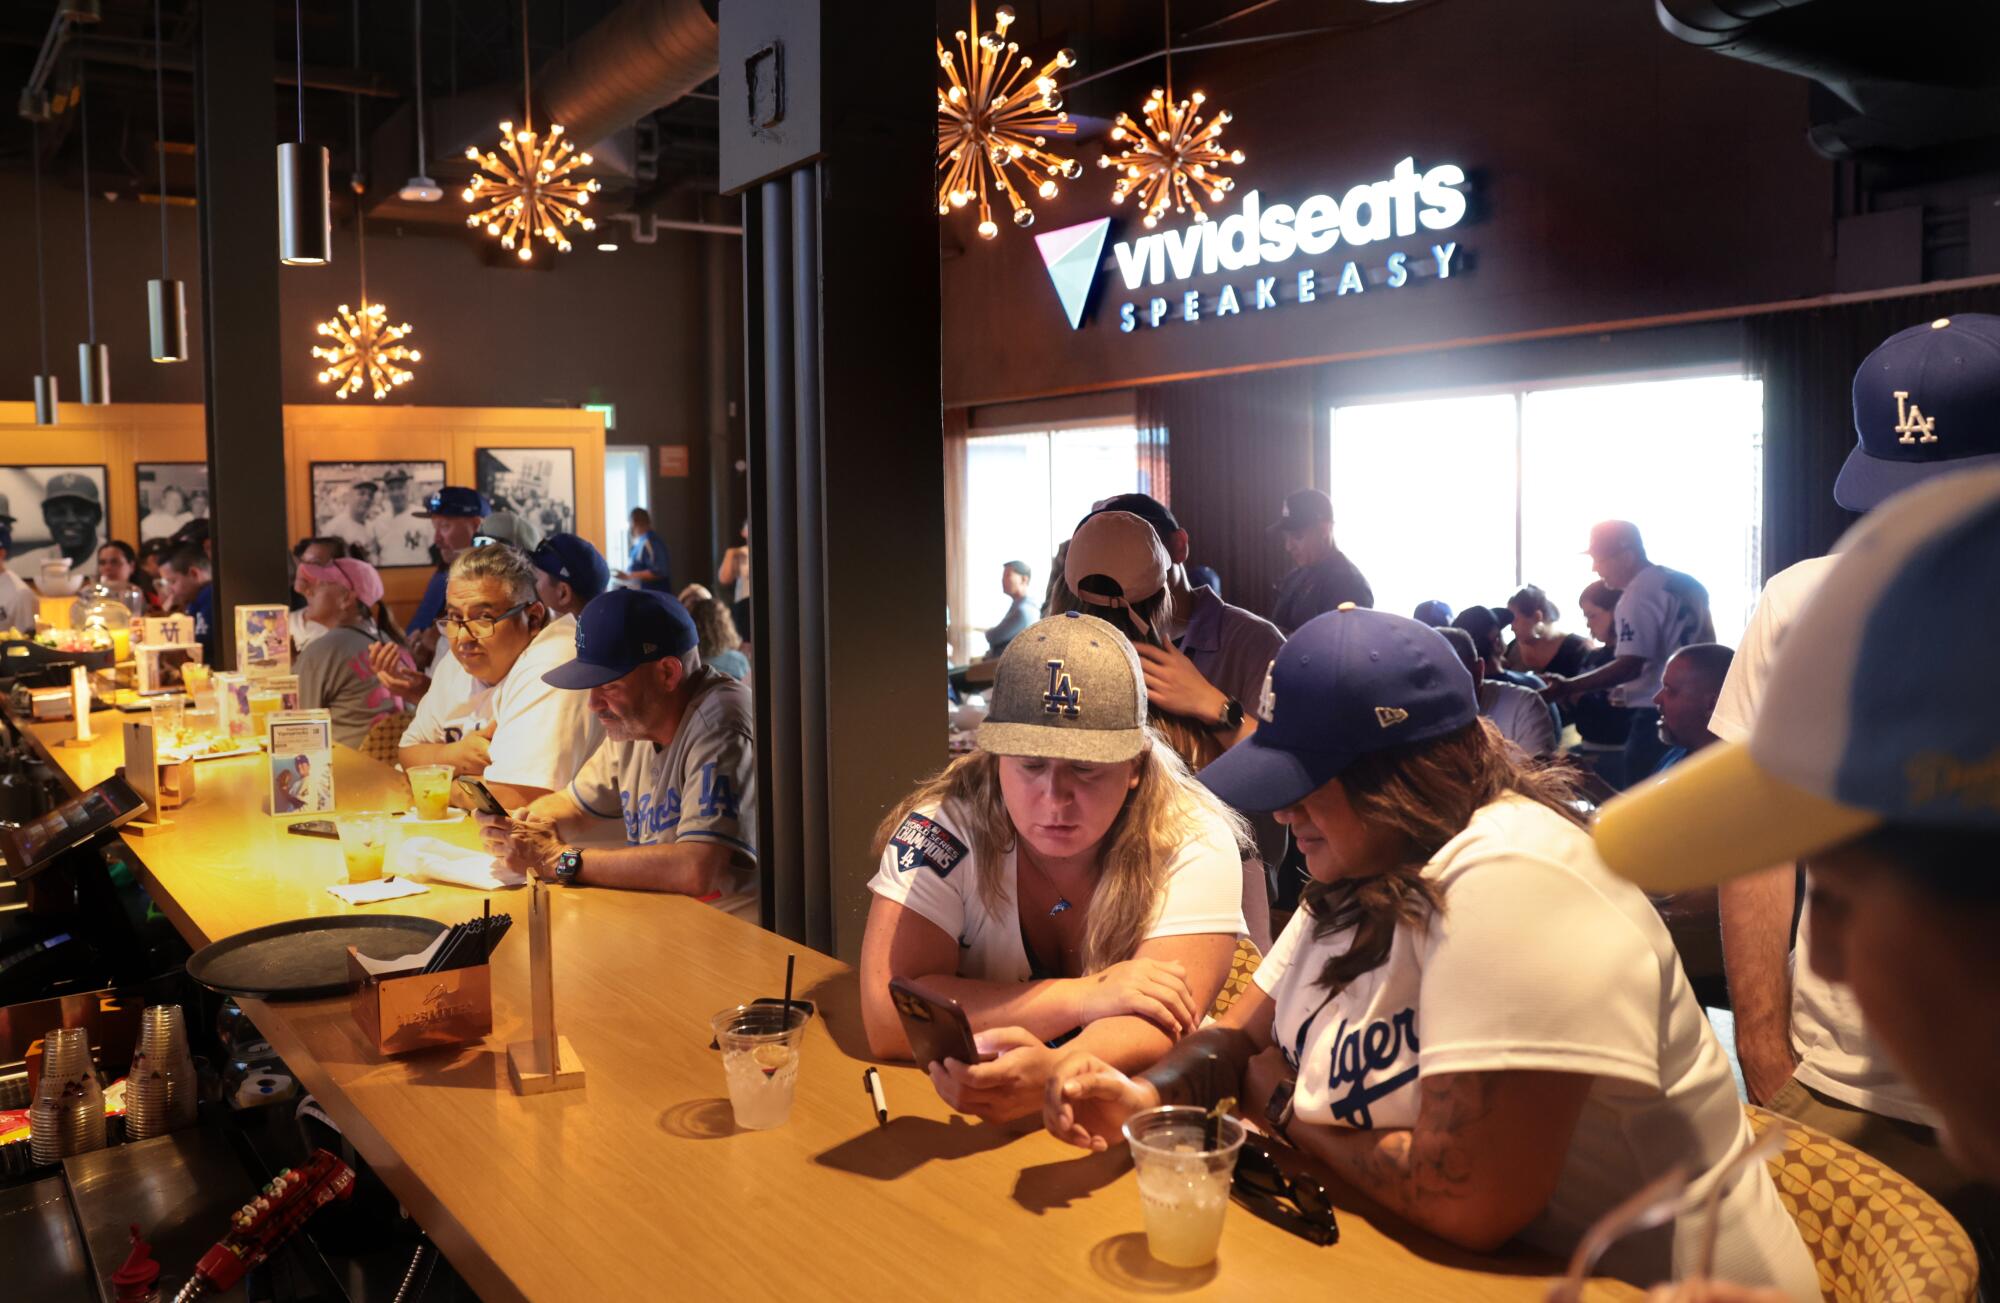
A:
(760, 1057)
(1183, 1186)
(430, 790)
(363, 838)
(168, 714)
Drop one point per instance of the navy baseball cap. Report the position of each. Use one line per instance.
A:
(575, 561)
(455, 500)
(1303, 509)
(618, 632)
(1347, 683)
(1926, 401)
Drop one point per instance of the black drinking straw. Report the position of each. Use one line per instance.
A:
(791, 961)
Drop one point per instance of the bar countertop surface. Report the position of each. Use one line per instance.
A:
(639, 1185)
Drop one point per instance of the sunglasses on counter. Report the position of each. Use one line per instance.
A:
(1298, 1204)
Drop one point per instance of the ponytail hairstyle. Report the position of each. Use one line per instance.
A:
(1425, 794)
(1530, 599)
(1193, 740)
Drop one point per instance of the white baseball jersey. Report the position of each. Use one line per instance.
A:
(542, 735)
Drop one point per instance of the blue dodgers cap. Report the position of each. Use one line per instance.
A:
(1856, 728)
(456, 500)
(1926, 402)
(620, 631)
(575, 561)
(1347, 683)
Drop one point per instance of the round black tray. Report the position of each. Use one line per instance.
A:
(306, 958)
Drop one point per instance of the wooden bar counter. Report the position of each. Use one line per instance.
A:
(639, 1186)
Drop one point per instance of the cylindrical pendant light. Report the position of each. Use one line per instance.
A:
(93, 360)
(166, 299)
(305, 224)
(45, 380)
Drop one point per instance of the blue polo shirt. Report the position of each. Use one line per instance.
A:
(650, 554)
(432, 605)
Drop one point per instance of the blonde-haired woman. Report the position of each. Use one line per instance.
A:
(1068, 878)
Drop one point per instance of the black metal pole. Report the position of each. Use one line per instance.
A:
(236, 103)
(817, 918)
(778, 535)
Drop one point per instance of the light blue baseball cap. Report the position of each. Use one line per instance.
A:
(1879, 709)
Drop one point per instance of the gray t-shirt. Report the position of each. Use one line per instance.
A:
(702, 786)
(334, 675)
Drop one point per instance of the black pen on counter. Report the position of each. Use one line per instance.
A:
(871, 1081)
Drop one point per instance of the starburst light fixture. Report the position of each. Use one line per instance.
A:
(995, 113)
(366, 350)
(530, 191)
(1172, 160)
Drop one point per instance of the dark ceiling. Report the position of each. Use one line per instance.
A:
(470, 47)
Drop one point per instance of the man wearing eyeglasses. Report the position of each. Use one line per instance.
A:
(488, 713)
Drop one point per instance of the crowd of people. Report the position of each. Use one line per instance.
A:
(1512, 862)
(1472, 853)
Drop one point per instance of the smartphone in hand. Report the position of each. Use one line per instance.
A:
(937, 1027)
(479, 796)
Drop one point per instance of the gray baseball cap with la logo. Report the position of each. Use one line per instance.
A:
(1069, 688)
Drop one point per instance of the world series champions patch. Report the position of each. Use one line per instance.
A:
(919, 840)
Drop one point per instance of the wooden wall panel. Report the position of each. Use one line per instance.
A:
(120, 435)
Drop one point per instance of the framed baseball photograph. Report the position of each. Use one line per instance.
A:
(536, 484)
(55, 513)
(170, 493)
(372, 506)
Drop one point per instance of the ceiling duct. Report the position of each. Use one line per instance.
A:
(1916, 76)
(641, 56)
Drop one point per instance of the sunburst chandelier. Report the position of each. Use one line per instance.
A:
(526, 186)
(995, 113)
(366, 350)
(1173, 159)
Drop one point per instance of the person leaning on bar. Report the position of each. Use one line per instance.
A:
(678, 766)
(1469, 1018)
(1069, 874)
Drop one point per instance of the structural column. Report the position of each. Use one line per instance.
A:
(235, 152)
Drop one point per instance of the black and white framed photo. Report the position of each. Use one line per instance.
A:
(55, 512)
(170, 493)
(373, 506)
(536, 484)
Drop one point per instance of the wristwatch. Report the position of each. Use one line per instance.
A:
(1232, 713)
(568, 865)
(1278, 1109)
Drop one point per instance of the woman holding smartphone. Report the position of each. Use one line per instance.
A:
(1470, 1019)
(1067, 878)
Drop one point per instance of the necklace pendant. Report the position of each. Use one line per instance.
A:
(1061, 904)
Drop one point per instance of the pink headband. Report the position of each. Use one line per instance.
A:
(362, 579)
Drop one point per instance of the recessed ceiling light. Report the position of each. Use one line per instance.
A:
(607, 247)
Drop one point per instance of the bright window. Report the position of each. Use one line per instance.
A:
(1024, 493)
(1466, 499)
(625, 486)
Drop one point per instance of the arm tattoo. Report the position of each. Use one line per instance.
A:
(1203, 1068)
(1417, 1170)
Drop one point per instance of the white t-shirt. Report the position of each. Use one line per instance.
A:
(17, 603)
(929, 867)
(702, 786)
(1837, 1056)
(1520, 714)
(1656, 617)
(542, 735)
(1542, 960)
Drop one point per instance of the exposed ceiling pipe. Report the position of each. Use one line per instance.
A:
(642, 56)
(645, 228)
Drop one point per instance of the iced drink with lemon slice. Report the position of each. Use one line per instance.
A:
(760, 1059)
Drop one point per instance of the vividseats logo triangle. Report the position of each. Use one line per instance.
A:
(1071, 255)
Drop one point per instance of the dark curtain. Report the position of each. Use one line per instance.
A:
(1807, 360)
(1236, 445)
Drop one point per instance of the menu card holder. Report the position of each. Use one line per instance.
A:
(402, 1011)
(547, 1062)
(161, 787)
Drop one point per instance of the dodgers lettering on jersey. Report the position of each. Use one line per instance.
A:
(919, 840)
(646, 820)
(1365, 1052)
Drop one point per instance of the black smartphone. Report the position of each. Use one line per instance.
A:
(314, 828)
(480, 796)
(936, 1025)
